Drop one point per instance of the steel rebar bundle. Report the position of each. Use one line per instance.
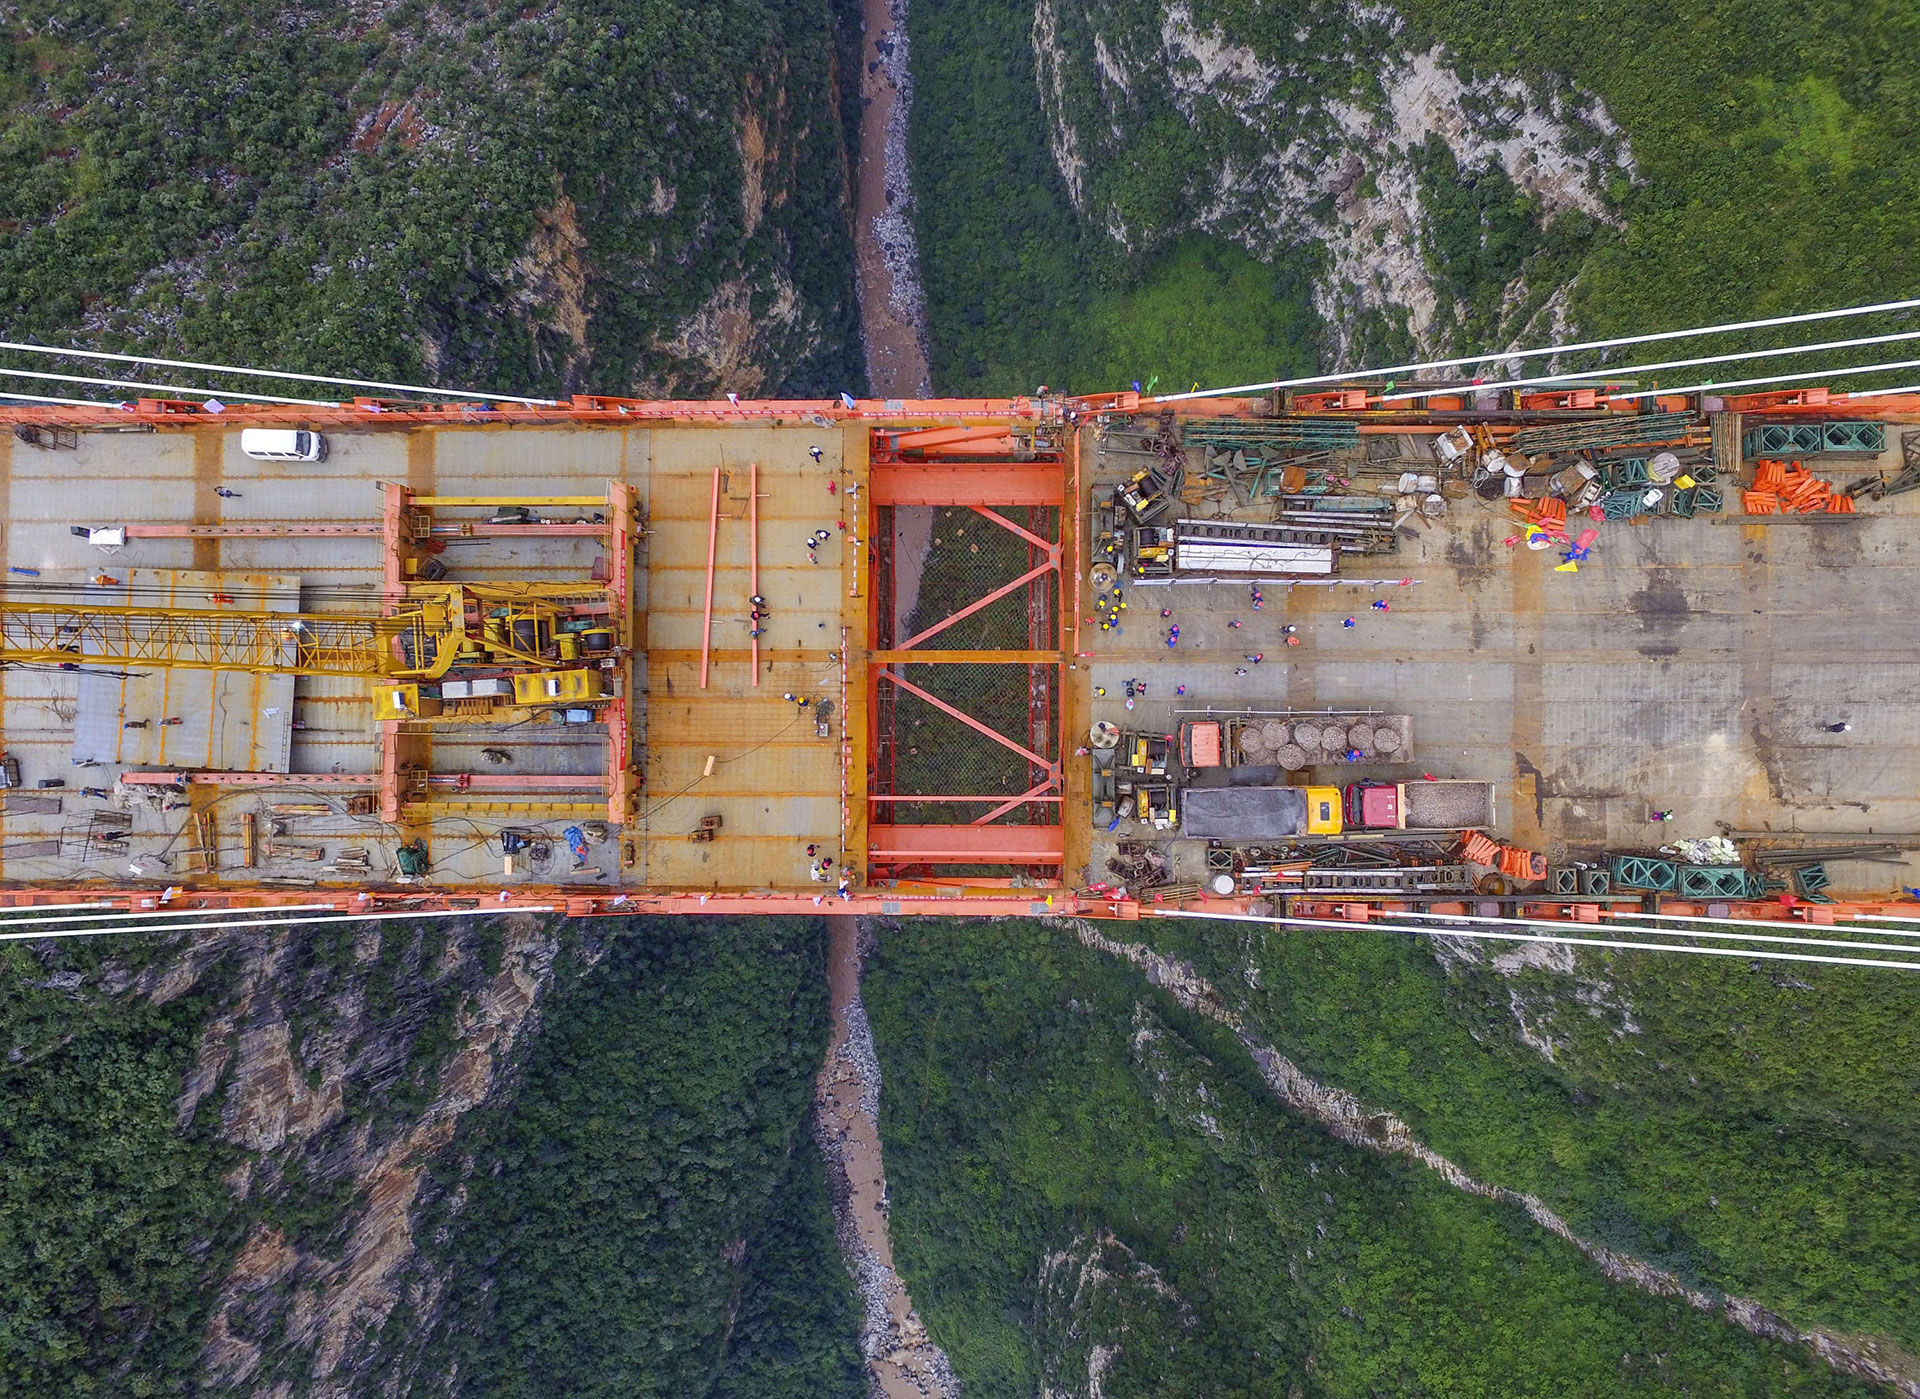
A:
(1619, 430)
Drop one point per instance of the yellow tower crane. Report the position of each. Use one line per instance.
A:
(420, 640)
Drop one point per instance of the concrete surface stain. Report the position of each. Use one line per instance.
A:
(1661, 606)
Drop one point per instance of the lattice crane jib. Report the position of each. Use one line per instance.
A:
(431, 629)
(265, 643)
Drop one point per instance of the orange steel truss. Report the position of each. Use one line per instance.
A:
(921, 822)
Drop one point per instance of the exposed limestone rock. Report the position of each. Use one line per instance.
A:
(1097, 1301)
(551, 276)
(728, 342)
(287, 1061)
(1291, 146)
(1353, 1122)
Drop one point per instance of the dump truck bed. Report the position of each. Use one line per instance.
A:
(1448, 806)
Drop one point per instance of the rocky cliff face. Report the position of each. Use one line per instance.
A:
(338, 1064)
(1102, 1313)
(1431, 197)
(564, 197)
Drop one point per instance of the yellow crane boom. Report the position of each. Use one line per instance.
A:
(420, 641)
(266, 643)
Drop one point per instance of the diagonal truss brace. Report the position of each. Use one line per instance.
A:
(1052, 769)
(1050, 565)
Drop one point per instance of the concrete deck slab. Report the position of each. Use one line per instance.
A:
(1689, 665)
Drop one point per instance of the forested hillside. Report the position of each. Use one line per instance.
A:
(1444, 173)
(579, 195)
(434, 1160)
(1096, 1193)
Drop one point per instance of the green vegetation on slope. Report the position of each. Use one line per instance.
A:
(1774, 144)
(424, 193)
(1079, 1170)
(641, 1218)
(111, 1218)
(1754, 1132)
(794, 1335)
(1019, 292)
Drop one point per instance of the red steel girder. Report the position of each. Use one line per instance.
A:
(968, 483)
(1051, 549)
(994, 797)
(1032, 794)
(966, 845)
(1050, 562)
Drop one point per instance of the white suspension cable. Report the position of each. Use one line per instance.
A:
(75, 913)
(1606, 371)
(68, 402)
(368, 917)
(1757, 923)
(27, 347)
(1875, 393)
(1769, 379)
(1344, 925)
(1495, 356)
(166, 388)
(1902, 948)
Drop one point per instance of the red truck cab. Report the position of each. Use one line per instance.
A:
(1373, 806)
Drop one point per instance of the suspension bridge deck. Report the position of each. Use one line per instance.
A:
(923, 572)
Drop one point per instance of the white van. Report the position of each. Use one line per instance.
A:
(282, 444)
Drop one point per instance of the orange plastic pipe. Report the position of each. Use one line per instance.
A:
(713, 543)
